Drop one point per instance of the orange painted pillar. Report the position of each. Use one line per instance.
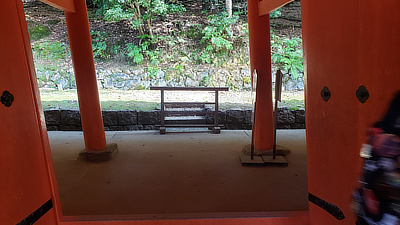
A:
(85, 76)
(260, 60)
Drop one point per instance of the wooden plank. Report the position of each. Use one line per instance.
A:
(188, 103)
(188, 112)
(64, 5)
(162, 108)
(189, 125)
(191, 88)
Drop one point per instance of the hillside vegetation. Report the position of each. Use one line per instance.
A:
(179, 39)
(165, 43)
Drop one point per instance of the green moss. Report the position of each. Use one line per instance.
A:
(105, 105)
(38, 32)
(292, 104)
(51, 50)
(53, 22)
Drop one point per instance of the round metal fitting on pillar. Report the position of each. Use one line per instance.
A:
(325, 93)
(7, 98)
(362, 94)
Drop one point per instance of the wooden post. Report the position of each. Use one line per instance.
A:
(260, 60)
(85, 76)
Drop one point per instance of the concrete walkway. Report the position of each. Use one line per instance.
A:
(180, 174)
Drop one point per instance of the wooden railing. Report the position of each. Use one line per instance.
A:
(215, 126)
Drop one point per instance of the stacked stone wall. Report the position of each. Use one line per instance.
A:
(130, 120)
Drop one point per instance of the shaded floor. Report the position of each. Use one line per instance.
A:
(178, 173)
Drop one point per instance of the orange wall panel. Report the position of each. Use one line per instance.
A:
(25, 172)
(346, 44)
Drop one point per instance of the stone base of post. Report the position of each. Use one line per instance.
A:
(99, 155)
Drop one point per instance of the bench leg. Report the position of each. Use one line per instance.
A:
(216, 130)
(162, 130)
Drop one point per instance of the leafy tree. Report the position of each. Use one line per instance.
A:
(140, 12)
(217, 37)
(288, 55)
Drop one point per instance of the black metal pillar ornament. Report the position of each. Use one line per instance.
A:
(362, 94)
(7, 99)
(325, 93)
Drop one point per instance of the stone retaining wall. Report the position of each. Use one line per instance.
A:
(127, 120)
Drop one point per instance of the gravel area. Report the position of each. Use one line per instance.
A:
(227, 100)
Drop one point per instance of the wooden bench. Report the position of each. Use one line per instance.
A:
(215, 126)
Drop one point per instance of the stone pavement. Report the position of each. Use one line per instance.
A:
(178, 175)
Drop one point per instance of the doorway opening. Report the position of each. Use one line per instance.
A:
(145, 178)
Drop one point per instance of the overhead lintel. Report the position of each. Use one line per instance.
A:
(64, 5)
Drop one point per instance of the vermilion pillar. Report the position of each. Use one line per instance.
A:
(85, 76)
(260, 60)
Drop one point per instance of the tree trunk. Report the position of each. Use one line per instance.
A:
(228, 6)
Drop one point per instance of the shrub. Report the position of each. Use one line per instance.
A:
(38, 32)
(50, 50)
(288, 55)
(218, 38)
(140, 12)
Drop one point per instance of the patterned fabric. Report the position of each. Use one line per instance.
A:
(377, 200)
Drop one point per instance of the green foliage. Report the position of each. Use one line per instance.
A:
(49, 72)
(292, 104)
(147, 49)
(135, 53)
(49, 50)
(246, 80)
(140, 12)
(102, 48)
(38, 32)
(276, 13)
(288, 55)
(152, 70)
(217, 42)
(98, 44)
(206, 81)
(117, 13)
(195, 32)
(218, 38)
(53, 22)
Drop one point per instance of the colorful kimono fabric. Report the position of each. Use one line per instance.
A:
(377, 200)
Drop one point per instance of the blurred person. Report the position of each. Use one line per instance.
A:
(377, 199)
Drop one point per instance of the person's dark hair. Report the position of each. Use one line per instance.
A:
(390, 123)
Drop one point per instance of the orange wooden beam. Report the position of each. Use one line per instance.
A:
(266, 6)
(85, 76)
(64, 5)
(260, 60)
